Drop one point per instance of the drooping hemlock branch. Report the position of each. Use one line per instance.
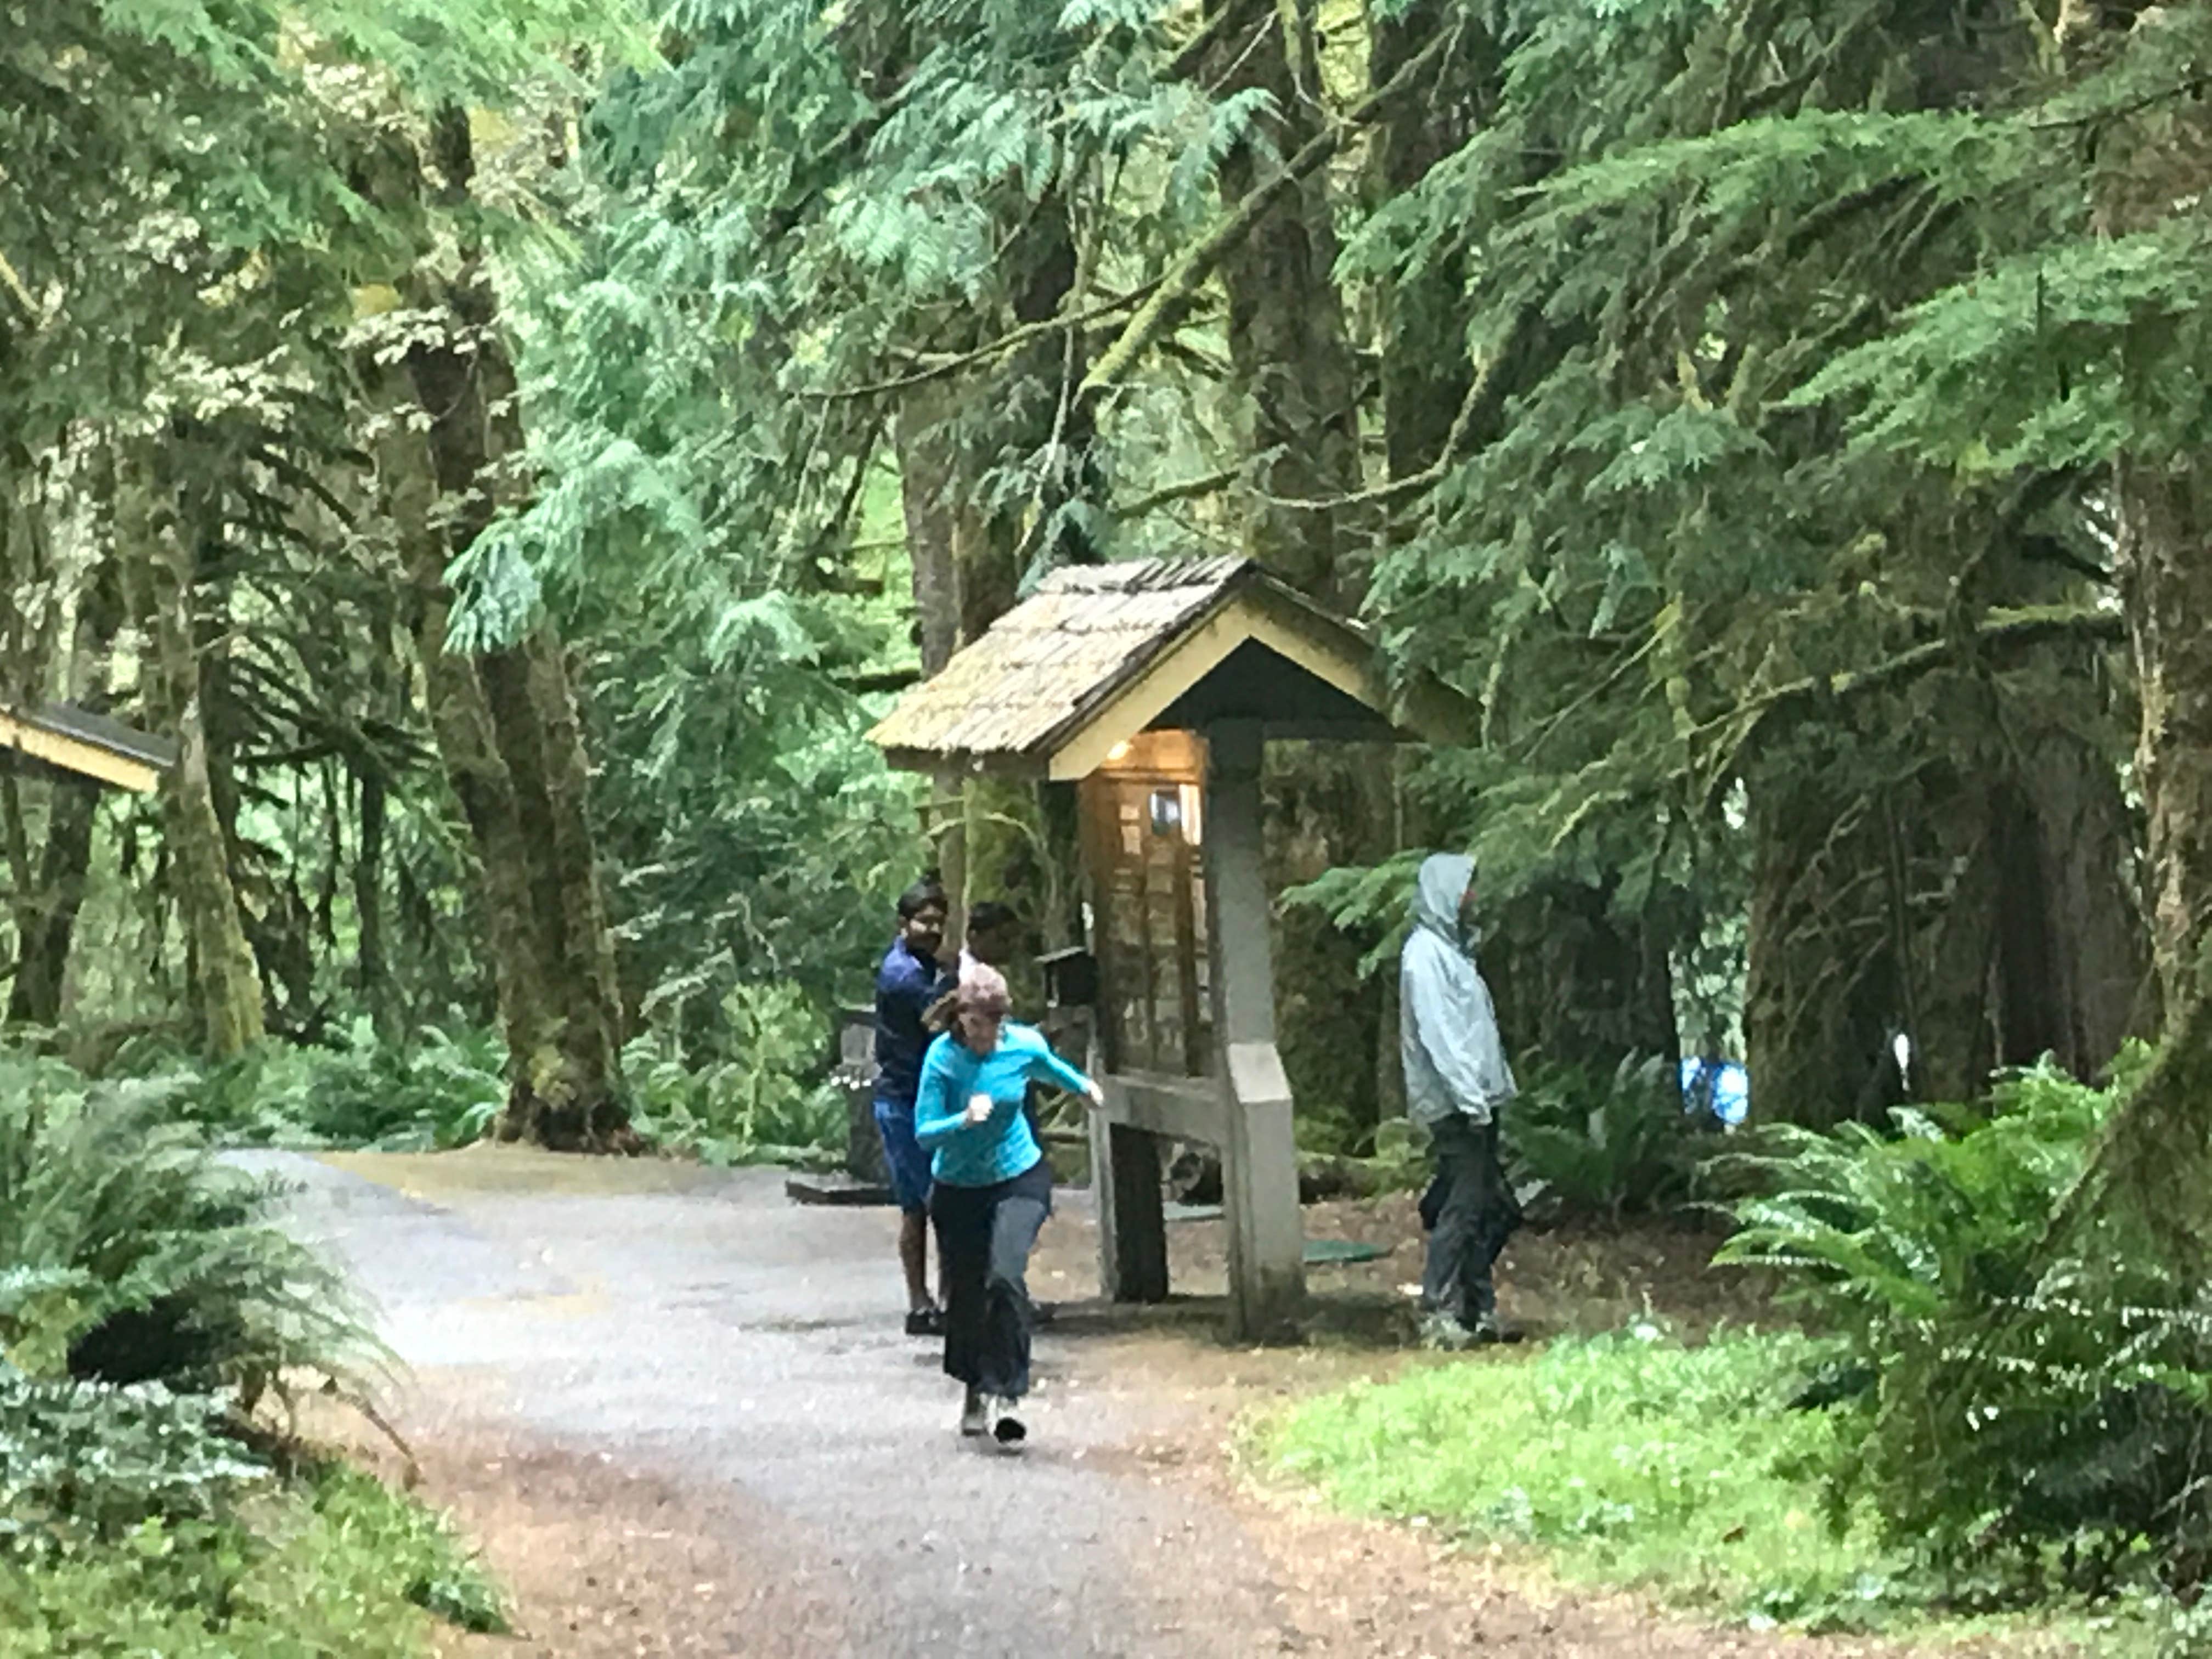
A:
(2003, 630)
(1179, 287)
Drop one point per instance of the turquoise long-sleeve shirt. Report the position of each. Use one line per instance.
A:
(1000, 1147)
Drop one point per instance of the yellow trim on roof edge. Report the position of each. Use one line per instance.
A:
(72, 754)
(1247, 616)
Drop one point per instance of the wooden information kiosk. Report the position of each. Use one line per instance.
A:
(1155, 685)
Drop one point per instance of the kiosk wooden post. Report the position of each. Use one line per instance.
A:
(1132, 1229)
(1259, 1155)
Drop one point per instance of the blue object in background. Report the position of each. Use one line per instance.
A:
(1722, 1087)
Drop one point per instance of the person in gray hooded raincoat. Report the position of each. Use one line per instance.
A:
(1456, 1082)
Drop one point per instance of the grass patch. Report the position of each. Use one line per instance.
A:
(1631, 1460)
(338, 1568)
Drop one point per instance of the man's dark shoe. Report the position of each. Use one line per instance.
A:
(926, 1321)
(1442, 1333)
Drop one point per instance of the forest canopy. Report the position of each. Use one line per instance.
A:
(516, 449)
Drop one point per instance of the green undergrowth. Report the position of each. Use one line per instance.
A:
(1633, 1461)
(747, 1086)
(153, 1314)
(330, 1566)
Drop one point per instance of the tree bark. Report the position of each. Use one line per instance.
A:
(927, 478)
(1820, 994)
(928, 472)
(2166, 531)
(1294, 377)
(992, 840)
(1296, 387)
(2156, 1151)
(1574, 984)
(533, 711)
(507, 725)
(49, 922)
(371, 977)
(2085, 987)
(555, 1097)
(1426, 369)
(1978, 900)
(158, 547)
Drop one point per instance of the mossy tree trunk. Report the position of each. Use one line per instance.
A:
(1978, 900)
(2165, 530)
(156, 536)
(1292, 371)
(507, 723)
(1297, 382)
(47, 924)
(2150, 167)
(928, 478)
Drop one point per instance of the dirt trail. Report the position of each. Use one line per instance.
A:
(671, 1407)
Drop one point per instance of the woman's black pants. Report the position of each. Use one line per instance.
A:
(984, 1236)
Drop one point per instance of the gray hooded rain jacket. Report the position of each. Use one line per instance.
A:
(1447, 1030)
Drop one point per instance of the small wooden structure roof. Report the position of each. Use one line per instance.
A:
(90, 745)
(1101, 653)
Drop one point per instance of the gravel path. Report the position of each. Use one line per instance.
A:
(679, 1413)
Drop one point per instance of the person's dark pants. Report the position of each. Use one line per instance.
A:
(984, 1236)
(1471, 1212)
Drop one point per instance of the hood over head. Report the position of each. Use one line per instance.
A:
(1445, 879)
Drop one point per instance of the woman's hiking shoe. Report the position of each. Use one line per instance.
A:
(925, 1321)
(976, 1414)
(1010, 1432)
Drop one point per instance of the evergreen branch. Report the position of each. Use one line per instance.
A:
(2049, 550)
(1173, 294)
(15, 286)
(2194, 87)
(2009, 630)
(1188, 61)
(305, 480)
(1265, 26)
(1183, 490)
(1621, 670)
(849, 505)
(1012, 339)
(1181, 351)
(844, 147)
(1478, 393)
(888, 679)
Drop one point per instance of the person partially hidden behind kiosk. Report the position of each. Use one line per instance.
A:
(1456, 1082)
(909, 981)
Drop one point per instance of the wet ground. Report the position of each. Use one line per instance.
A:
(680, 1415)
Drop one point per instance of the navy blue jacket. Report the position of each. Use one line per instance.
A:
(906, 985)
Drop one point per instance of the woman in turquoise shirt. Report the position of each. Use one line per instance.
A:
(993, 1191)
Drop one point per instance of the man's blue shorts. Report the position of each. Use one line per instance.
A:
(904, 1157)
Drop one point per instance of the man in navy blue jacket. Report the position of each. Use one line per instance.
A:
(909, 981)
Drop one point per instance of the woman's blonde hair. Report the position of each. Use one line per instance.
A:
(981, 990)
